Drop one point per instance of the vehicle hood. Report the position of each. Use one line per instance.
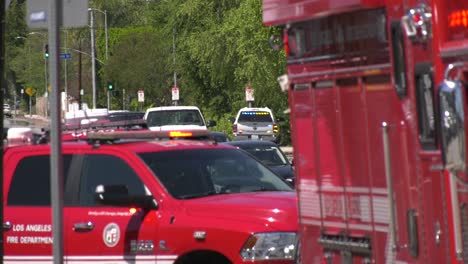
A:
(176, 127)
(270, 210)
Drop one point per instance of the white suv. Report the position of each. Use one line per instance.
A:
(255, 123)
(167, 118)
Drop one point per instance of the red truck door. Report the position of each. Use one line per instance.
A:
(97, 233)
(27, 213)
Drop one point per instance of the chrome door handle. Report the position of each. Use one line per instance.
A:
(7, 225)
(83, 227)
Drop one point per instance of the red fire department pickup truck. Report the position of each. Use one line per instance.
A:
(148, 197)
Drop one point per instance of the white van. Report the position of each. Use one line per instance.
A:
(167, 118)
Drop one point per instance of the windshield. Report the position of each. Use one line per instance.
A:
(174, 117)
(202, 172)
(270, 156)
(255, 116)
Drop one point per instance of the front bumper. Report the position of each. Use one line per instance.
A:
(256, 137)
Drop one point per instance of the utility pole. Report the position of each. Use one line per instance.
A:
(46, 86)
(80, 93)
(93, 54)
(93, 60)
(66, 73)
(2, 81)
(56, 162)
(123, 99)
(174, 59)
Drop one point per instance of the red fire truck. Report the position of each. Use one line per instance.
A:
(377, 96)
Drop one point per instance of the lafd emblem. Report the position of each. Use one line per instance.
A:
(111, 234)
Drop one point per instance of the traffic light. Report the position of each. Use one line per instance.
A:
(46, 51)
(110, 87)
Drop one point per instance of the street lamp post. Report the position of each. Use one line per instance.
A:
(93, 55)
(93, 62)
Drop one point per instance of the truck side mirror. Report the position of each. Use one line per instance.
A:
(452, 125)
(231, 119)
(117, 195)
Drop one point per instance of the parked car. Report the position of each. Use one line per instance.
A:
(270, 154)
(255, 123)
(219, 136)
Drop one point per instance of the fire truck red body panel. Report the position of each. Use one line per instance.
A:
(280, 11)
(363, 89)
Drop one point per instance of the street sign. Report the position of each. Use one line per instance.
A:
(249, 94)
(65, 56)
(141, 96)
(30, 91)
(75, 13)
(175, 93)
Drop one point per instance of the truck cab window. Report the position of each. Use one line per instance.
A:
(107, 170)
(30, 185)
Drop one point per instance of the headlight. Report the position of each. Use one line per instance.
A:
(263, 246)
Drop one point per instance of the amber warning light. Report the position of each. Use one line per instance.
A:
(180, 134)
(458, 18)
(144, 134)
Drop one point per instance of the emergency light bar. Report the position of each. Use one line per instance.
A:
(147, 134)
(107, 124)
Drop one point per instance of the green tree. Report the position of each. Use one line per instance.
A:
(140, 67)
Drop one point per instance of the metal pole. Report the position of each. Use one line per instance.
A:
(2, 81)
(14, 106)
(174, 56)
(29, 73)
(56, 169)
(93, 61)
(107, 39)
(107, 54)
(66, 73)
(123, 99)
(46, 88)
(174, 59)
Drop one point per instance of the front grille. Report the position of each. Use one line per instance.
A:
(360, 245)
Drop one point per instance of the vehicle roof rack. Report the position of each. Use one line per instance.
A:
(110, 137)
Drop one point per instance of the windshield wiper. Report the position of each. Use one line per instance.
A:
(197, 195)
